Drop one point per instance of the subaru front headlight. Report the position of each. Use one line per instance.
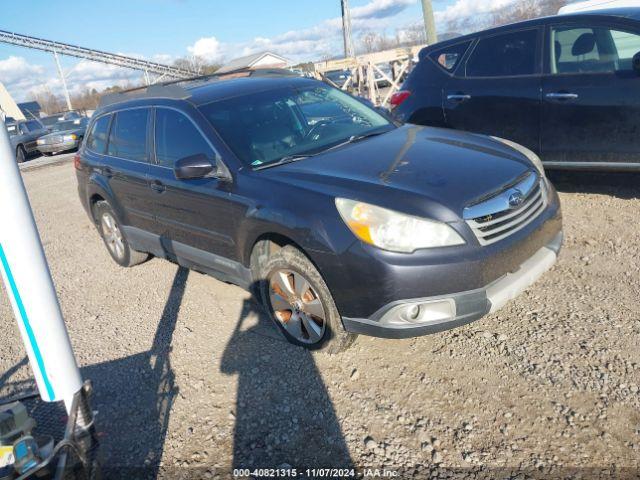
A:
(395, 231)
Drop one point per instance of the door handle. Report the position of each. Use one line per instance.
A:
(458, 97)
(157, 186)
(562, 96)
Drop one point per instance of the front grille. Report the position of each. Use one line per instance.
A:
(51, 140)
(508, 211)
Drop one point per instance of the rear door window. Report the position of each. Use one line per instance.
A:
(128, 138)
(177, 137)
(449, 57)
(592, 49)
(97, 139)
(505, 55)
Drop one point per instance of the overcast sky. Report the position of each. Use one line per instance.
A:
(163, 30)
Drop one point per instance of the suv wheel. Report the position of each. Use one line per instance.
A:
(21, 154)
(300, 304)
(113, 237)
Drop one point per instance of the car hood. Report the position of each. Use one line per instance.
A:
(77, 131)
(426, 171)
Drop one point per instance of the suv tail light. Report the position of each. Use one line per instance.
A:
(76, 161)
(399, 97)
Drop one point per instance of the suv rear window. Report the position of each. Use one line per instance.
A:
(97, 139)
(508, 54)
(128, 137)
(449, 57)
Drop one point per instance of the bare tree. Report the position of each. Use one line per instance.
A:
(517, 11)
(197, 64)
(414, 35)
(527, 9)
(368, 42)
(49, 103)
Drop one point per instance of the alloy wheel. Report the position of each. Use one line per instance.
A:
(112, 235)
(297, 306)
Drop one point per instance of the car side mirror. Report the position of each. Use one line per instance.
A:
(635, 62)
(192, 167)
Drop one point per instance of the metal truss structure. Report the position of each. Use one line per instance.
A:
(58, 48)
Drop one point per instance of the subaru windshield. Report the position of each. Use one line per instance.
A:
(288, 124)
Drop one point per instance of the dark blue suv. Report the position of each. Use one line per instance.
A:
(338, 219)
(566, 87)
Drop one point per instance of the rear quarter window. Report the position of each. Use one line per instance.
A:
(97, 139)
(448, 58)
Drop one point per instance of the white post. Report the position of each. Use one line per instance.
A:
(28, 283)
(64, 81)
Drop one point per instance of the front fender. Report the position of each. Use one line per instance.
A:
(266, 221)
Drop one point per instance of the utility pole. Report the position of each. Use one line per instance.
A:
(64, 81)
(429, 22)
(349, 51)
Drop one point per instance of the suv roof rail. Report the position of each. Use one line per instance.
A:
(172, 88)
(161, 90)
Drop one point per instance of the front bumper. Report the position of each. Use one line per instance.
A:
(449, 311)
(57, 147)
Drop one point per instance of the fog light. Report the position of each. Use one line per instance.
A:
(421, 313)
(413, 312)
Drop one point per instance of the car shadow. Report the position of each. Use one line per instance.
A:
(284, 416)
(13, 388)
(134, 396)
(618, 184)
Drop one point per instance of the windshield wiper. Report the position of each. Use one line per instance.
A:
(354, 139)
(357, 138)
(283, 160)
(302, 156)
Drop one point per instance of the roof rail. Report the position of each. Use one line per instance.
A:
(172, 89)
(167, 90)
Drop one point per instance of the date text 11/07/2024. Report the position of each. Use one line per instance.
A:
(313, 473)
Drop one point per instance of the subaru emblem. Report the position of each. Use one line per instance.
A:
(516, 199)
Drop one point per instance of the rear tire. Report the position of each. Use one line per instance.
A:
(299, 302)
(113, 236)
(21, 154)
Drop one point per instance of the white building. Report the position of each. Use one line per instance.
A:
(257, 60)
(8, 106)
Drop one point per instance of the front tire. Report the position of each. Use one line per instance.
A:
(300, 304)
(114, 238)
(21, 154)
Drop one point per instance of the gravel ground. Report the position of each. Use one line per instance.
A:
(191, 379)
